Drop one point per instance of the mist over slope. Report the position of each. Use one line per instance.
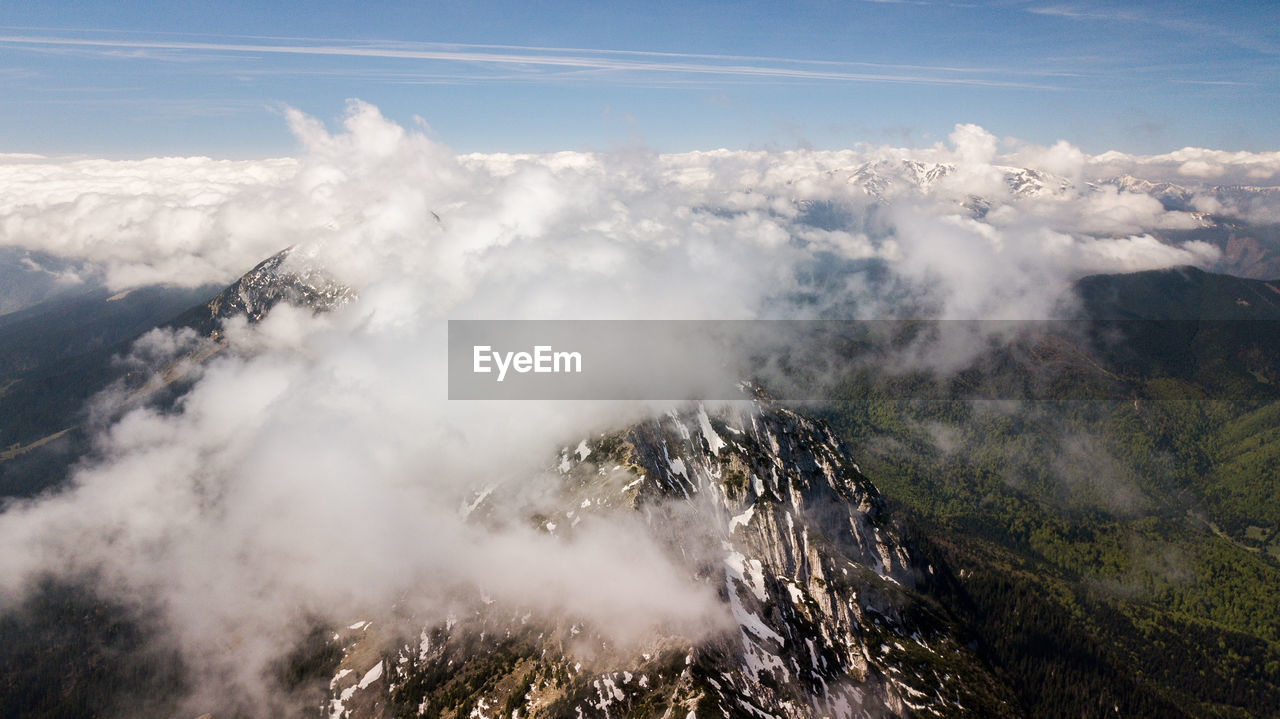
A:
(316, 469)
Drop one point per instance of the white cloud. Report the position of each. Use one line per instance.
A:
(1193, 164)
(1061, 159)
(185, 220)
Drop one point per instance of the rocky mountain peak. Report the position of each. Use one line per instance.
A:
(283, 277)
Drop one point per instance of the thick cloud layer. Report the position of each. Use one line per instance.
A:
(189, 221)
(317, 468)
(1194, 164)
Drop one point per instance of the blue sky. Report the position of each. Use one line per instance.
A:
(208, 78)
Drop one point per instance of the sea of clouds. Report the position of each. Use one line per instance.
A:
(375, 189)
(316, 468)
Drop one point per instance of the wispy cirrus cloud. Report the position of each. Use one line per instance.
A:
(1220, 83)
(1077, 13)
(1191, 28)
(551, 62)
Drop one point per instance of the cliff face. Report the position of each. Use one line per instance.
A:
(801, 550)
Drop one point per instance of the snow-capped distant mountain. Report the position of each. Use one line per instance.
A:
(884, 179)
(1024, 182)
(891, 179)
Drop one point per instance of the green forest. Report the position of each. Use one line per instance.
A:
(1110, 554)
